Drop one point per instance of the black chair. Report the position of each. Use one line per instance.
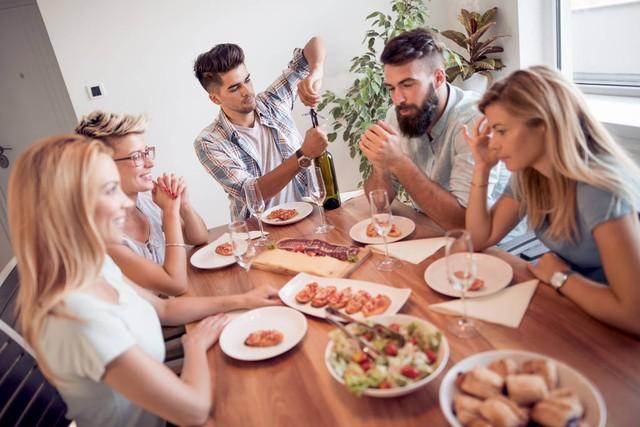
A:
(26, 397)
(527, 247)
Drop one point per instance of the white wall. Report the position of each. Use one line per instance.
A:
(143, 52)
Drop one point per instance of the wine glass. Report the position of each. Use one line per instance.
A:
(461, 272)
(256, 205)
(382, 220)
(316, 193)
(242, 244)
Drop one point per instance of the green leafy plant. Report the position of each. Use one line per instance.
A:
(367, 100)
(476, 26)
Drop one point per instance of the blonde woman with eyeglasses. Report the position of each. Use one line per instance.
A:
(96, 335)
(161, 219)
(578, 188)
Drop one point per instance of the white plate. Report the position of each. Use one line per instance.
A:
(303, 208)
(291, 323)
(292, 287)
(402, 319)
(359, 231)
(496, 273)
(206, 257)
(595, 409)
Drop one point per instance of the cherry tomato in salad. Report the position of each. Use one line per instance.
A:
(391, 349)
(359, 356)
(410, 372)
(413, 341)
(366, 364)
(367, 336)
(431, 356)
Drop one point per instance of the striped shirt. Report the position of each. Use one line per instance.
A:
(232, 160)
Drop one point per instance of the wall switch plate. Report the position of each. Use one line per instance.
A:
(95, 90)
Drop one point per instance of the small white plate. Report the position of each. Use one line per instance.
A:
(402, 319)
(206, 257)
(291, 323)
(496, 273)
(303, 208)
(288, 293)
(359, 231)
(595, 409)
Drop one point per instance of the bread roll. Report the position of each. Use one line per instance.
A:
(482, 382)
(547, 369)
(525, 389)
(504, 367)
(561, 408)
(467, 408)
(503, 412)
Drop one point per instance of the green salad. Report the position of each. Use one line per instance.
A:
(401, 366)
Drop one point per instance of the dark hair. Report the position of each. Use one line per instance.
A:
(411, 45)
(220, 59)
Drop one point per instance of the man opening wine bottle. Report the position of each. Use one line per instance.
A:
(254, 136)
(420, 143)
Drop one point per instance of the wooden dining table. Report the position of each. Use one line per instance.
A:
(295, 388)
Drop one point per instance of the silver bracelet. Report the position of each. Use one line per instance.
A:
(182, 245)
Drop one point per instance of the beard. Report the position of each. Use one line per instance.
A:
(417, 124)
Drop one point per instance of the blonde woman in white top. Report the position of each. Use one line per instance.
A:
(160, 220)
(96, 336)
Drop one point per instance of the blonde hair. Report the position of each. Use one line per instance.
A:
(52, 199)
(579, 147)
(104, 126)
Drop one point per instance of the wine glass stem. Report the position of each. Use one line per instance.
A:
(386, 246)
(322, 218)
(464, 306)
(260, 224)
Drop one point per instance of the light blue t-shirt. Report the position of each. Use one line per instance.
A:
(594, 206)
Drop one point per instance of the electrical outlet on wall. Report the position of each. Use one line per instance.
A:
(95, 90)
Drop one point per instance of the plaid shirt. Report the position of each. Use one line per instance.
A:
(232, 160)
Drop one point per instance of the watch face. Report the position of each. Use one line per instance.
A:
(304, 162)
(558, 278)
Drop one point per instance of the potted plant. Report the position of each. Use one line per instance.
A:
(477, 61)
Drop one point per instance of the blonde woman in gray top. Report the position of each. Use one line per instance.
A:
(161, 219)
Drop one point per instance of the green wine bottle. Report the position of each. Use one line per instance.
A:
(325, 163)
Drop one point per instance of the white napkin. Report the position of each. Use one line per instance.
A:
(413, 251)
(506, 307)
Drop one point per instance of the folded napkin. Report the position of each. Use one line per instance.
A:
(506, 307)
(413, 251)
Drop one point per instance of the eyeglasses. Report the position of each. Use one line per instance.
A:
(138, 157)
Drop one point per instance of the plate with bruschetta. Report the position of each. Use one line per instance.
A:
(287, 213)
(365, 232)
(313, 294)
(218, 253)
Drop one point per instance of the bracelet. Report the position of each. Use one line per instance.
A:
(182, 245)
(473, 184)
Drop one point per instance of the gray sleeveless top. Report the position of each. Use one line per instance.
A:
(153, 250)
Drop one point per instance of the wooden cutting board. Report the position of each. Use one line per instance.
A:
(287, 262)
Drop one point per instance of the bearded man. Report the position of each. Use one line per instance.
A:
(420, 143)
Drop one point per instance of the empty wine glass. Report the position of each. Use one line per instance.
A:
(256, 205)
(316, 193)
(242, 244)
(382, 220)
(461, 272)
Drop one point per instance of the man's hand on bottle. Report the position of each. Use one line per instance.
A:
(315, 143)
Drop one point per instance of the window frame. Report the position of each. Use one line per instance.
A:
(604, 84)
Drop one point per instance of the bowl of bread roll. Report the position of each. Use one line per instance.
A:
(519, 388)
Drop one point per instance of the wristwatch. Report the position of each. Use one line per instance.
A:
(559, 278)
(303, 161)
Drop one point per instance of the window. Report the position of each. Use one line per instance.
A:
(598, 44)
